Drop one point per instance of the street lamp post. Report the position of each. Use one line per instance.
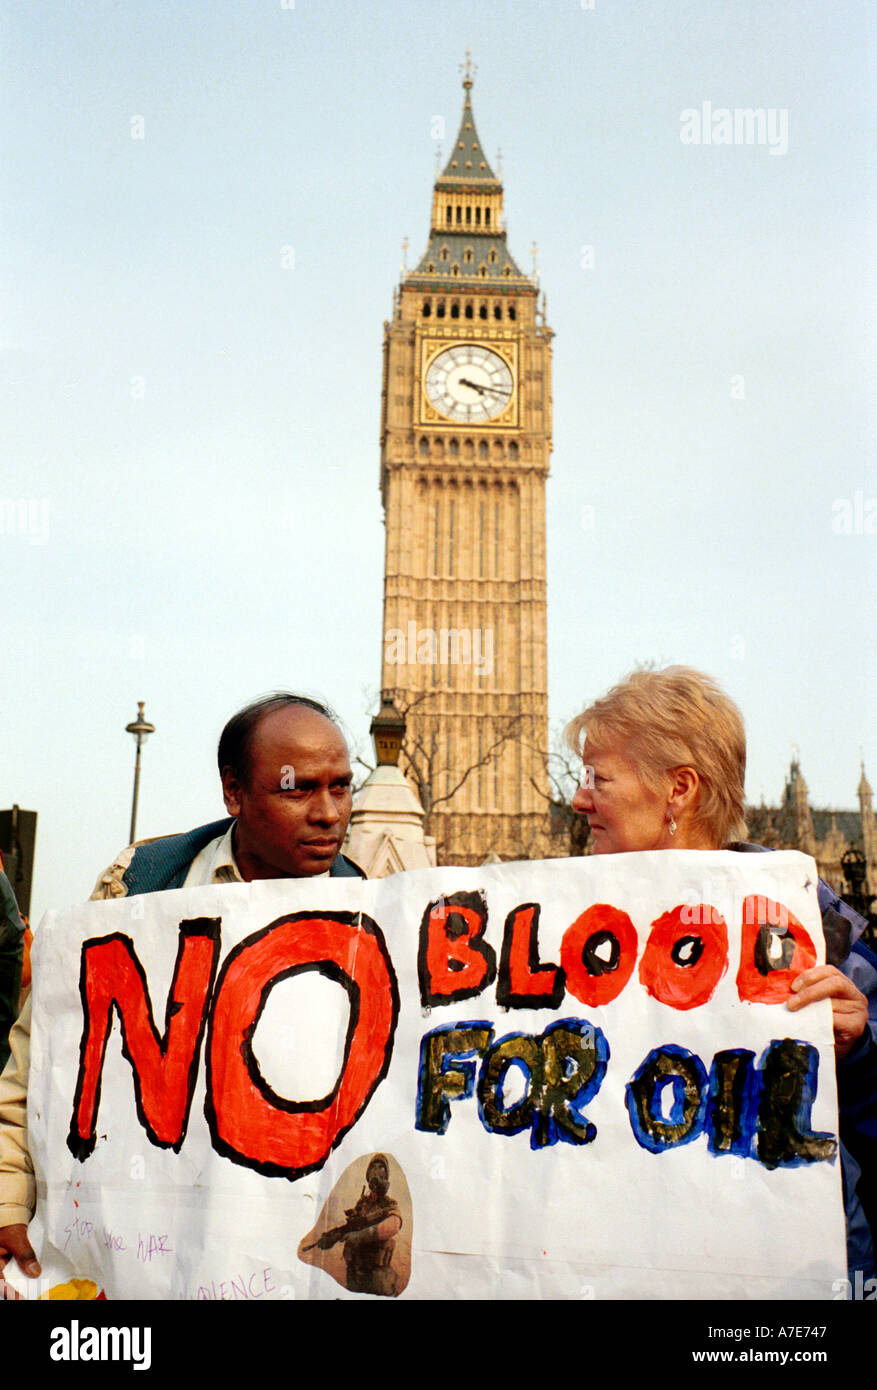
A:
(141, 729)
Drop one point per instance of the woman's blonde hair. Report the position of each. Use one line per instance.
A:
(677, 717)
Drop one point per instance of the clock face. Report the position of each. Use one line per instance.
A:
(469, 383)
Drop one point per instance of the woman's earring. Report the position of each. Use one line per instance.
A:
(672, 823)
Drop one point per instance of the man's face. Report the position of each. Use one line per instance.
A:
(377, 1176)
(293, 808)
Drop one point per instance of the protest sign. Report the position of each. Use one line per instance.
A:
(569, 1078)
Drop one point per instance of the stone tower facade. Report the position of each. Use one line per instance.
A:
(869, 829)
(826, 834)
(797, 804)
(465, 446)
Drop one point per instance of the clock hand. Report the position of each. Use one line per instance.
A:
(484, 390)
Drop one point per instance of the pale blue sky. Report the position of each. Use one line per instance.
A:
(196, 426)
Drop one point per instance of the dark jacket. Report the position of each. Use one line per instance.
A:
(164, 863)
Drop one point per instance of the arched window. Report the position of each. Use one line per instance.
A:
(449, 215)
(454, 448)
(513, 449)
(469, 312)
(482, 307)
(455, 270)
(423, 447)
(468, 255)
(455, 309)
(487, 217)
(513, 313)
(440, 309)
(483, 449)
(497, 311)
(427, 306)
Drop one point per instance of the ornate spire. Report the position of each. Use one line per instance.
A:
(869, 828)
(467, 239)
(797, 802)
(864, 789)
(468, 162)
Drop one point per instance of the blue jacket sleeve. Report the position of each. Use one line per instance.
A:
(857, 1084)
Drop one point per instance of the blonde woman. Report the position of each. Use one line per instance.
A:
(664, 754)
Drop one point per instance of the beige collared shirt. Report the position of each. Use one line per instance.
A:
(216, 864)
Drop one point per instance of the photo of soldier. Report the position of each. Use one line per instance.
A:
(367, 1238)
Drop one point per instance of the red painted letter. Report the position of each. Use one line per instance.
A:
(775, 948)
(251, 1124)
(453, 959)
(525, 983)
(685, 957)
(164, 1068)
(598, 953)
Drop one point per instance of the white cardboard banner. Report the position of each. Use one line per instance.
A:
(577, 1089)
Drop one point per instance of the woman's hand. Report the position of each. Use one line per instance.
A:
(849, 1006)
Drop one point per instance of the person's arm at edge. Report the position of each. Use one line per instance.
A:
(17, 1188)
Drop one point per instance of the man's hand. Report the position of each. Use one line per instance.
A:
(14, 1244)
(849, 1007)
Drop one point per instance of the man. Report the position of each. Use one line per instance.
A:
(286, 783)
(287, 786)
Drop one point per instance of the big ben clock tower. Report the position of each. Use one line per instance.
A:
(465, 444)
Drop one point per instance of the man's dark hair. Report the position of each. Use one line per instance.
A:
(236, 739)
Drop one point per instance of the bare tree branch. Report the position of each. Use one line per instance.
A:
(505, 737)
(424, 764)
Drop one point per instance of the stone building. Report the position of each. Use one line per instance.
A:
(827, 835)
(465, 445)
